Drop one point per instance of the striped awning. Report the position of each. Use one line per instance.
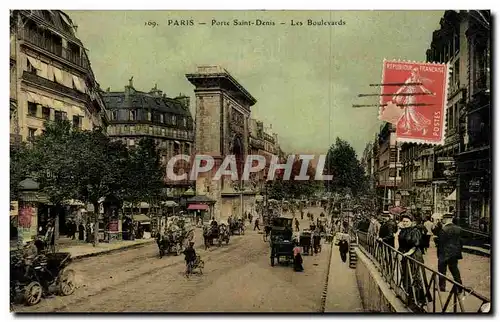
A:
(198, 207)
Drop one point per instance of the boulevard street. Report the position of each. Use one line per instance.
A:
(237, 277)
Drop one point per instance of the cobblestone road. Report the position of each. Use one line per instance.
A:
(237, 278)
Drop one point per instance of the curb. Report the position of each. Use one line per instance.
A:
(108, 251)
(476, 251)
(325, 287)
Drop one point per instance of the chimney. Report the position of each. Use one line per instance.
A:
(184, 100)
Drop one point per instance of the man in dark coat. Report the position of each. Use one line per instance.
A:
(256, 224)
(449, 249)
(387, 231)
(343, 248)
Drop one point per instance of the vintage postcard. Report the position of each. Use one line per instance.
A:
(250, 161)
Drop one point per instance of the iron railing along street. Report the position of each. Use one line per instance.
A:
(416, 284)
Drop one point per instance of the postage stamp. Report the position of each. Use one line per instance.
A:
(413, 98)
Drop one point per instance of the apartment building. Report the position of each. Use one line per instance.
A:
(50, 75)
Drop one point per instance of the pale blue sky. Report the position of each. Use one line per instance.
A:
(305, 78)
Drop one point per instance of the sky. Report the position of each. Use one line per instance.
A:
(305, 78)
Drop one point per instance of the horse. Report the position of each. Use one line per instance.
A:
(209, 233)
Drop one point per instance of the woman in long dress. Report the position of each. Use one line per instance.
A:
(412, 120)
(409, 240)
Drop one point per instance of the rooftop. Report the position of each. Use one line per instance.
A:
(131, 98)
(214, 71)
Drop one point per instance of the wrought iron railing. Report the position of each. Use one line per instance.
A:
(416, 284)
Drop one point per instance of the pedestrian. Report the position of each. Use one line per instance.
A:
(343, 248)
(316, 241)
(189, 257)
(449, 250)
(428, 233)
(256, 226)
(409, 240)
(250, 217)
(302, 215)
(387, 231)
(297, 259)
(81, 230)
(297, 224)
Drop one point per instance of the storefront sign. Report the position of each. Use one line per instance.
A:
(414, 99)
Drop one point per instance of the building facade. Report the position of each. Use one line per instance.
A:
(368, 164)
(263, 141)
(462, 172)
(135, 114)
(50, 75)
(417, 189)
(388, 167)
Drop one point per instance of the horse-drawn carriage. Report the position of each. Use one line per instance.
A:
(220, 233)
(42, 273)
(175, 237)
(236, 227)
(281, 240)
(305, 241)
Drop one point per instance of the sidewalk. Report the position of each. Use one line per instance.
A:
(87, 250)
(342, 292)
(83, 250)
(475, 270)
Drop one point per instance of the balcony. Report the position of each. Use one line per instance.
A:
(61, 89)
(33, 38)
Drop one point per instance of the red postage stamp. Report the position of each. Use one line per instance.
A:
(414, 97)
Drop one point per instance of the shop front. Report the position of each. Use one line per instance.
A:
(475, 191)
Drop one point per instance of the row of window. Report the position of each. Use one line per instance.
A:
(445, 52)
(173, 146)
(33, 111)
(157, 117)
(53, 42)
(148, 130)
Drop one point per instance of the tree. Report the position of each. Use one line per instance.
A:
(101, 168)
(343, 164)
(51, 160)
(21, 159)
(281, 189)
(145, 173)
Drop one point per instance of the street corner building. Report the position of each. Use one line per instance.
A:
(454, 176)
(51, 79)
(50, 75)
(134, 114)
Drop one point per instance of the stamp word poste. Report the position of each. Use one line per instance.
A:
(414, 97)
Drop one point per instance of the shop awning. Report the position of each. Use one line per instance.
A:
(142, 218)
(452, 196)
(169, 203)
(78, 84)
(197, 207)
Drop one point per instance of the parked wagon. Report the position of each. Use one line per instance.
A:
(237, 227)
(44, 274)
